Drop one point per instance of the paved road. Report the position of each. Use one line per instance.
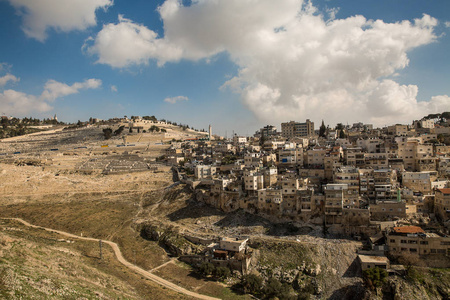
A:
(122, 260)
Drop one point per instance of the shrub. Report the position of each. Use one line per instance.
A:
(206, 268)
(107, 132)
(375, 277)
(251, 283)
(222, 272)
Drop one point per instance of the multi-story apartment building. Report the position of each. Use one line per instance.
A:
(414, 240)
(268, 131)
(270, 176)
(269, 201)
(290, 157)
(369, 145)
(350, 176)
(354, 157)
(253, 181)
(442, 204)
(315, 158)
(419, 181)
(253, 160)
(205, 172)
(398, 130)
(335, 196)
(295, 129)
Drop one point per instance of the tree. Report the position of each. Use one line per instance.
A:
(342, 134)
(222, 272)
(251, 283)
(272, 288)
(206, 268)
(119, 130)
(409, 260)
(107, 132)
(322, 130)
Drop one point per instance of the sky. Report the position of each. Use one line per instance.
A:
(235, 64)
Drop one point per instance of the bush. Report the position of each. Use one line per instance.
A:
(251, 283)
(107, 132)
(274, 289)
(119, 130)
(206, 268)
(222, 272)
(375, 277)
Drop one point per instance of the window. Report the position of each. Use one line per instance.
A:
(392, 241)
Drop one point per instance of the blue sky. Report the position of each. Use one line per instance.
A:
(235, 64)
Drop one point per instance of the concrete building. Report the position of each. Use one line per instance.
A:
(442, 204)
(315, 158)
(205, 172)
(414, 240)
(335, 196)
(398, 130)
(371, 261)
(233, 244)
(419, 181)
(295, 129)
(268, 131)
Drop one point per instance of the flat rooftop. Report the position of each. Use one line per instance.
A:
(373, 259)
(408, 229)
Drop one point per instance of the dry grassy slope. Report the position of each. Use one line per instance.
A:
(35, 264)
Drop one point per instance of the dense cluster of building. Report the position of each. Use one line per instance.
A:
(353, 179)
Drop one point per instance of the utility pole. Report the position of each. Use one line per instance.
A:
(100, 244)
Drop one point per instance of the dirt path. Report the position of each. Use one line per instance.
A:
(123, 261)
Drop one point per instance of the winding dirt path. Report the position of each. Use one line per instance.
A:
(123, 261)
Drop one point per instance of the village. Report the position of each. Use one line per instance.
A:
(225, 206)
(388, 186)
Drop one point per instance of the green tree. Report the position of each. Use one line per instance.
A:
(251, 283)
(119, 130)
(107, 132)
(222, 272)
(206, 268)
(273, 288)
(342, 134)
(322, 130)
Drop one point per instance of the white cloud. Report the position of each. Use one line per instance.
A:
(67, 15)
(293, 63)
(54, 89)
(113, 88)
(20, 104)
(6, 78)
(127, 43)
(447, 24)
(176, 99)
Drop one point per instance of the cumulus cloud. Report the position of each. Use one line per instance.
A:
(6, 78)
(19, 104)
(67, 15)
(293, 62)
(54, 89)
(127, 43)
(113, 88)
(176, 99)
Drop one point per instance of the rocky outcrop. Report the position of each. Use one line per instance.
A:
(173, 242)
